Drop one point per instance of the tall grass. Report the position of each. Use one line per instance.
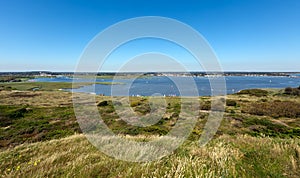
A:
(226, 156)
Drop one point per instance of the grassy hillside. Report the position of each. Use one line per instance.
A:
(226, 156)
(258, 137)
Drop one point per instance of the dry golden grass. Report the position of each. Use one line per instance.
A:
(227, 156)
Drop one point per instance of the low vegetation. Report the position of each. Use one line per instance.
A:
(14, 78)
(274, 109)
(253, 92)
(27, 124)
(48, 86)
(225, 156)
(39, 136)
(292, 91)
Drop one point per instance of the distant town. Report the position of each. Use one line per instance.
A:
(22, 76)
(54, 74)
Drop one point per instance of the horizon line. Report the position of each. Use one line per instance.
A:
(240, 71)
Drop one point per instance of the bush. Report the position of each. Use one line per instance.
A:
(253, 92)
(292, 91)
(288, 90)
(231, 102)
(103, 103)
(18, 113)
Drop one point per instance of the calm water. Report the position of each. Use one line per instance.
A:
(166, 86)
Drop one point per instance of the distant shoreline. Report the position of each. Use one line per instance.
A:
(34, 74)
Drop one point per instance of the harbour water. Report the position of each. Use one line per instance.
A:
(165, 86)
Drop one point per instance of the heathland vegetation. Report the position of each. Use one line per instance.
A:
(39, 136)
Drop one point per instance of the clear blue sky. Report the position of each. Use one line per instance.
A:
(247, 35)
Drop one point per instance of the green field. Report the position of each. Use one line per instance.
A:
(40, 137)
(49, 86)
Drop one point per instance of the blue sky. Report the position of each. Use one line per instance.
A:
(247, 35)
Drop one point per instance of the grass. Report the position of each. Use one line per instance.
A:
(39, 137)
(28, 116)
(49, 86)
(36, 98)
(226, 156)
(274, 109)
(26, 124)
(43, 86)
(253, 92)
(14, 78)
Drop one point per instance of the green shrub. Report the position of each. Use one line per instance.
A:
(230, 102)
(292, 91)
(103, 103)
(18, 113)
(253, 92)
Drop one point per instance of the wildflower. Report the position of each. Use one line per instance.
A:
(18, 167)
